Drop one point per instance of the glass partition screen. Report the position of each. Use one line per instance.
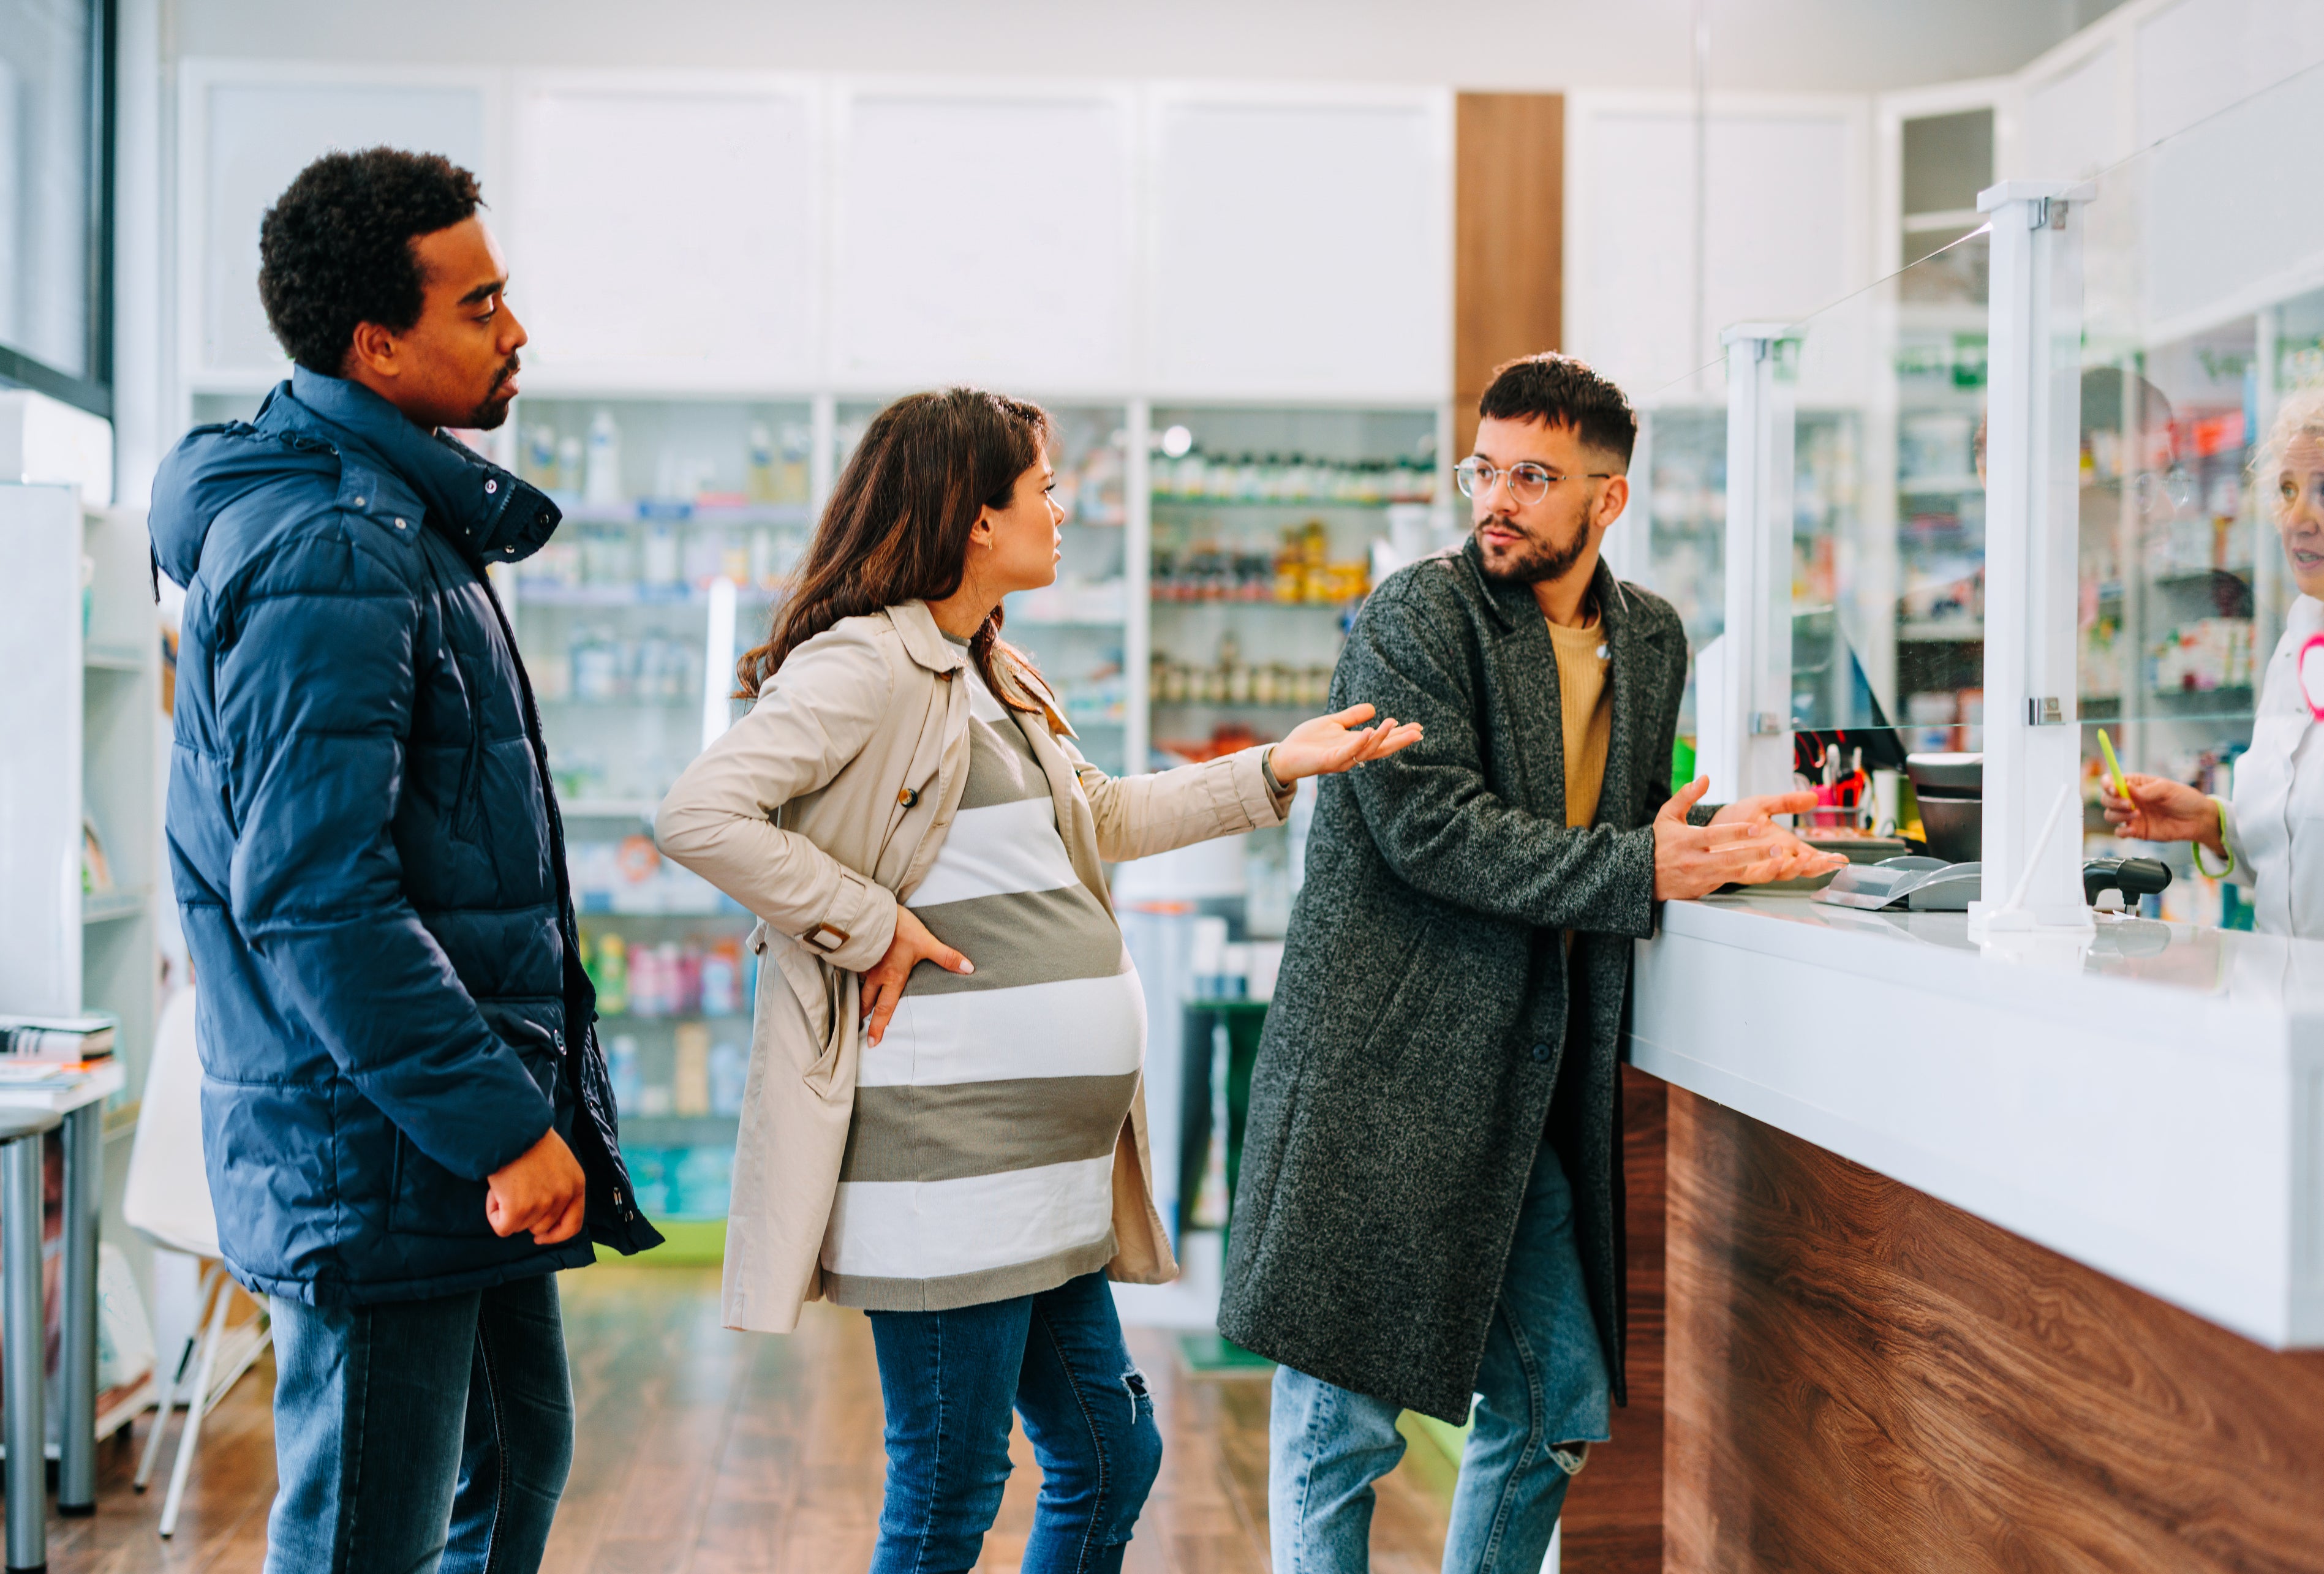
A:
(2201, 470)
(1888, 536)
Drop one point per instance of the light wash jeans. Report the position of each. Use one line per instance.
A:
(1543, 1385)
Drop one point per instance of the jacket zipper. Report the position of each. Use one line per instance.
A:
(567, 928)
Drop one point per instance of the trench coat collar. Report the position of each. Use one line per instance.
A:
(923, 642)
(927, 645)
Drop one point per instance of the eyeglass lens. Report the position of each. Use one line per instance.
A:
(1528, 482)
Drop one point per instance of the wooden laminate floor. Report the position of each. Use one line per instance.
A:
(702, 1451)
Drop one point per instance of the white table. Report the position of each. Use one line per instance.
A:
(81, 1100)
(2150, 1105)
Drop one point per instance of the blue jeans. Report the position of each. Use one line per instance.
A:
(949, 1380)
(419, 1434)
(1542, 1397)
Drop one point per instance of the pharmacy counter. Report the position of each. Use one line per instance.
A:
(2151, 1107)
(1973, 1260)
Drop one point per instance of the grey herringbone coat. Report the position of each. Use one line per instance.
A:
(1417, 1050)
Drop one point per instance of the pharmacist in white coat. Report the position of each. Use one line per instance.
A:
(2270, 835)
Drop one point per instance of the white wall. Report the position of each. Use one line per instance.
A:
(1824, 45)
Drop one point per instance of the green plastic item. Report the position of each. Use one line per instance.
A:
(1682, 763)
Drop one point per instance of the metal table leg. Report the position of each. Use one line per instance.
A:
(84, 1198)
(23, 1353)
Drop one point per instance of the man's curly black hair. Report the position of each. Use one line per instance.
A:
(335, 248)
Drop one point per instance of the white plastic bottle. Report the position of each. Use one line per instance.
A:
(605, 485)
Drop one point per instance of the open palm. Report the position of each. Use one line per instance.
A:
(1337, 741)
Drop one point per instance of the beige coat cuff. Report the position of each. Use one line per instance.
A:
(1235, 786)
(1279, 803)
(858, 925)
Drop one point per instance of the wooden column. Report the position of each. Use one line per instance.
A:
(1509, 227)
(1862, 1378)
(1613, 1518)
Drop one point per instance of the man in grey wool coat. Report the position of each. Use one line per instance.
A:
(1427, 1207)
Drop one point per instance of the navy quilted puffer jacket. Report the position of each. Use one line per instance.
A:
(368, 857)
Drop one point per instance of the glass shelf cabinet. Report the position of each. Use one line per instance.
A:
(1268, 528)
(683, 522)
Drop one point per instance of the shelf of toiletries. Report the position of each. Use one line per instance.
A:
(1299, 568)
(1196, 478)
(663, 553)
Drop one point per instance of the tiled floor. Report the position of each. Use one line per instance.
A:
(703, 1451)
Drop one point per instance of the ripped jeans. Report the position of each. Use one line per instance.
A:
(1542, 1399)
(949, 1380)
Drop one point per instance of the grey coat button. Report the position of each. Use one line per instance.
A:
(1541, 1051)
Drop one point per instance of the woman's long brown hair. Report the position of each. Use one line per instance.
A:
(897, 527)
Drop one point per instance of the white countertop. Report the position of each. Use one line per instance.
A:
(2151, 1104)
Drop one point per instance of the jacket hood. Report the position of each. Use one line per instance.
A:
(212, 467)
(327, 426)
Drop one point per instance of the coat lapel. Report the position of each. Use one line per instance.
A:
(1637, 658)
(1536, 768)
(1535, 713)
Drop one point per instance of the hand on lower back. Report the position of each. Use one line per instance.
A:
(542, 1191)
(884, 985)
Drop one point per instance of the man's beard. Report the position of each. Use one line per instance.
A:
(495, 410)
(1533, 563)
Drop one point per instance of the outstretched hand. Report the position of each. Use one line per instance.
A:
(1742, 846)
(1326, 744)
(1801, 861)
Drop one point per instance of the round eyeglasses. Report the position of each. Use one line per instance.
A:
(1528, 482)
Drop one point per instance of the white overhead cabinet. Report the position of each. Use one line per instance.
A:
(2210, 94)
(1301, 248)
(248, 129)
(1782, 226)
(1630, 261)
(985, 238)
(2198, 57)
(2078, 114)
(663, 236)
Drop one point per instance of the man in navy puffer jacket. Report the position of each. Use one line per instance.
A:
(406, 1120)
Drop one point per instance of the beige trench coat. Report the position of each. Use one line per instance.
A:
(821, 810)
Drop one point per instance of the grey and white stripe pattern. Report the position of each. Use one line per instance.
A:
(980, 1156)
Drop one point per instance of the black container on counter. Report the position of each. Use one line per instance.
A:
(1951, 789)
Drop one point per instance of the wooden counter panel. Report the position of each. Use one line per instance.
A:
(1613, 1518)
(1862, 1378)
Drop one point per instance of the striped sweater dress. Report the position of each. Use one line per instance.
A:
(980, 1154)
